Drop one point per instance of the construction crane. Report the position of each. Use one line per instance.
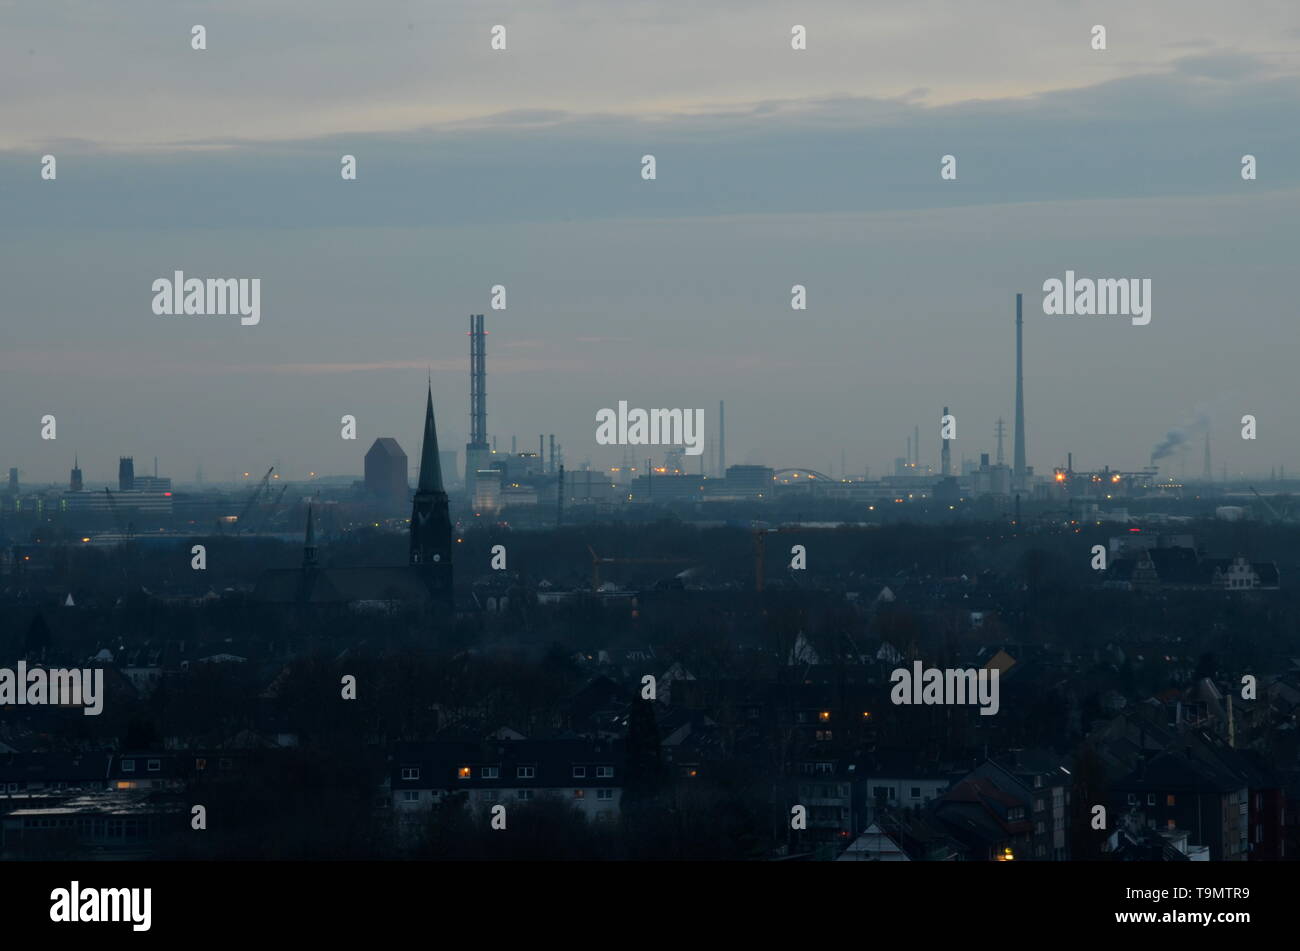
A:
(127, 529)
(760, 543)
(248, 506)
(1278, 516)
(597, 561)
(272, 508)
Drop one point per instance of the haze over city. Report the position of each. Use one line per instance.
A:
(821, 171)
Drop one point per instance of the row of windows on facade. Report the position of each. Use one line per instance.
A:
(888, 792)
(60, 786)
(153, 765)
(490, 795)
(1133, 799)
(823, 716)
(94, 828)
(523, 772)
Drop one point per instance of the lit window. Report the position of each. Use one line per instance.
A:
(1169, 800)
(463, 773)
(824, 716)
(579, 793)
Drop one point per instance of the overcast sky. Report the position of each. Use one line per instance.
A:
(522, 168)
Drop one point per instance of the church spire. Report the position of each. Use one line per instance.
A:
(309, 548)
(430, 516)
(430, 464)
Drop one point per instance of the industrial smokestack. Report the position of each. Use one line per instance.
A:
(1019, 474)
(477, 449)
(722, 439)
(551, 462)
(945, 453)
(916, 446)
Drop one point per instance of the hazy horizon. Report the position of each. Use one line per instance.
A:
(522, 168)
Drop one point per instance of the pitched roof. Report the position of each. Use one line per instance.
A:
(389, 447)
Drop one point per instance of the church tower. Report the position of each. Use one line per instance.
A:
(430, 521)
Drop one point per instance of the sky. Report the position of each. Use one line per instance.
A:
(522, 167)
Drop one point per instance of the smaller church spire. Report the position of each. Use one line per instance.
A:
(309, 549)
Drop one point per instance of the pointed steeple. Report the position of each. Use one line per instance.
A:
(430, 464)
(430, 516)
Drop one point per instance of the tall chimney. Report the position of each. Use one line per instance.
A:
(1019, 474)
(945, 452)
(722, 439)
(916, 446)
(550, 466)
(477, 449)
